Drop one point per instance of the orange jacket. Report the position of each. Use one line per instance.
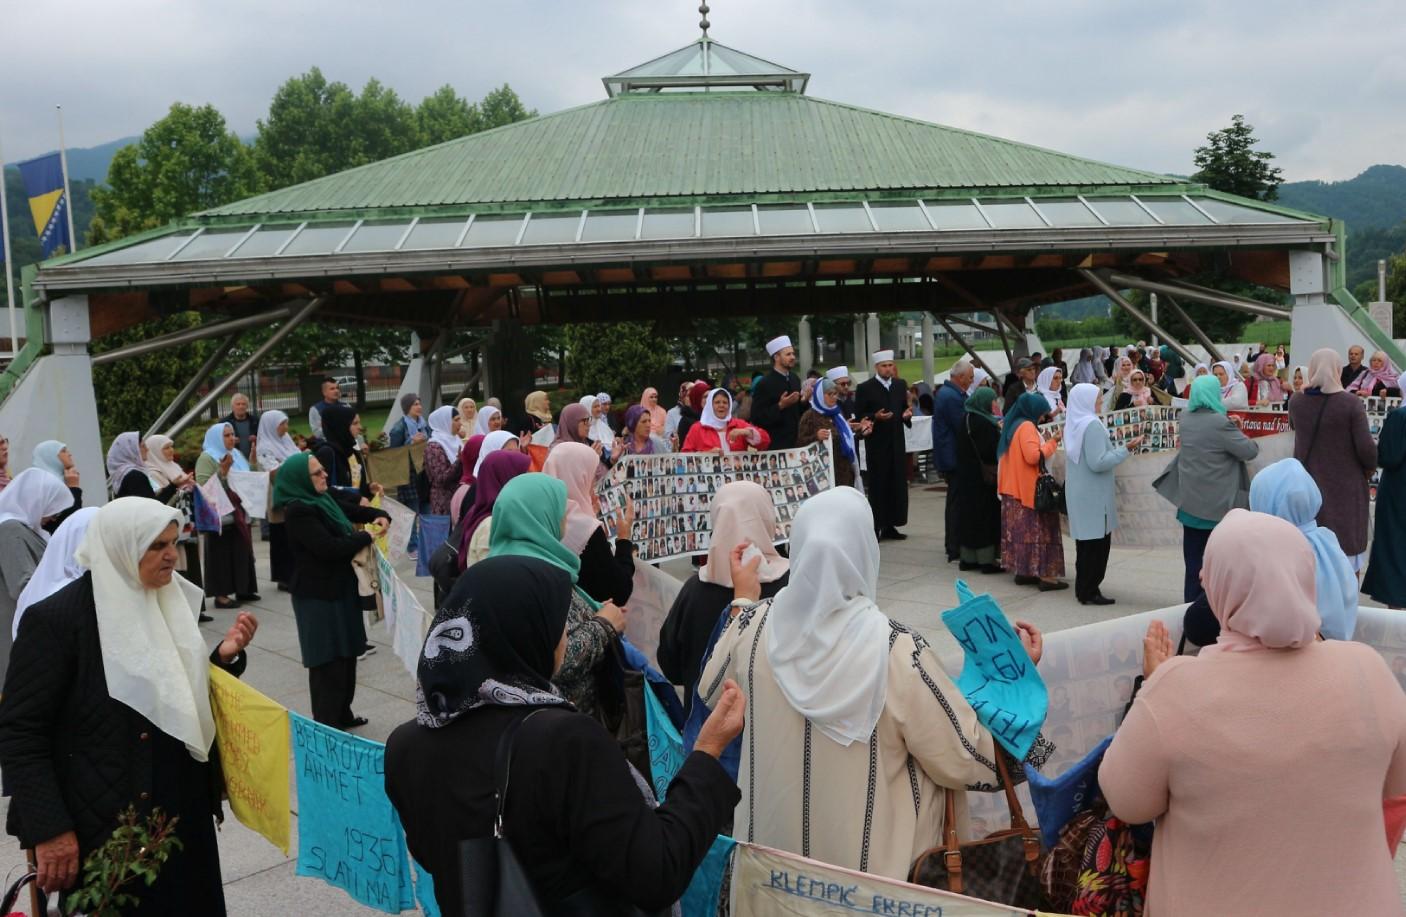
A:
(1019, 468)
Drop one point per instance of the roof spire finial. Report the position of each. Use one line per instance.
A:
(704, 23)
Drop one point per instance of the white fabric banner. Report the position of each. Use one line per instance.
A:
(673, 493)
(406, 620)
(649, 605)
(771, 883)
(918, 437)
(252, 488)
(402, 527)
(214, 493)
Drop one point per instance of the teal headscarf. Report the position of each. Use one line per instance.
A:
(1030, 406)
(293, 484)
(1205, 395)
(1175, 367)
(527, 522)
(979, 403)
(46, 457)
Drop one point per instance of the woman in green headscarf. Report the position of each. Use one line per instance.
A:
(1172, 371)
(978, 506)
(527, 522)
(322, 532)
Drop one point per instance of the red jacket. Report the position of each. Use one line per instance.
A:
(705, 439)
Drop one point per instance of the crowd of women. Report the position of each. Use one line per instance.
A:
(786, 663)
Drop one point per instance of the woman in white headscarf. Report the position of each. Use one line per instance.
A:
(33, 499)
(1233, 393)
(599, 428)
(275, 447)
(852, 700)
(1093, 505)
(229, 554)
(108, 706)
(468, 418)
(442, 457)
(1051, 384)
(58, 567)
(487, 419)
(164, 470)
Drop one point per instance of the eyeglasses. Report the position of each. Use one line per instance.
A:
(319, 473)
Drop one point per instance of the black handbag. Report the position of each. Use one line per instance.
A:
(444, 559)
(11, 900)
(1049, 493)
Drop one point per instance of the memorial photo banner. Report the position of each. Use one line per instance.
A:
(673, 493)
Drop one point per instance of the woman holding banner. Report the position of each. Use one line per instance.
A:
(848, 699)
(718, 431)
(275, 447)
(1264, 760)
(322, 531)
(606, 574)
(1031, 546)
(229, 554)
(108, 706)
(826, 420)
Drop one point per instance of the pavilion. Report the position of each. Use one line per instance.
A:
(706, 183)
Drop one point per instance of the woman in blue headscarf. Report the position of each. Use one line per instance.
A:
(53, 456)
(229, 555)
(1286, 489)
(826, 420)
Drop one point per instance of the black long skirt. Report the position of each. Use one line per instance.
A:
(229, 564)
(280, 554)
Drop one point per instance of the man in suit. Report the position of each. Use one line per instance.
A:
(776, 404)
(883, 400)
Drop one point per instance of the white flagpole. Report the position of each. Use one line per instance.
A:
(9, 262)
(67, 197)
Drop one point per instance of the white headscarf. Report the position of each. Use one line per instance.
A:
(710, 417)
(468, 418)
(1196, 370)
(57, 568)
(1232, 376)
(1043, 386)
(1083, 410)
(599, 428)
(826, 639)
(154, 657)
(272, 449)
(491, 444)
(979, 376)
(485, 414)
(442, 432)
(33, 495)
(161, 471)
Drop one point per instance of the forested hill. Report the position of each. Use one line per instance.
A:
(1376, 199)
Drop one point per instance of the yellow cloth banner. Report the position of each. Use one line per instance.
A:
(391, 467)
(251, 733)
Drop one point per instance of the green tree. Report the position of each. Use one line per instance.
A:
(502, 106)
(621, 358)
(311, 131)
(1396, 290)
(446, 115)
(132, 392)
(187, 161)
(1229, 162)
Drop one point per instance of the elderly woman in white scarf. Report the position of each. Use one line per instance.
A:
(108, 706)
(32, 502)
(1050, 384)
(855, 701)
(275, 447)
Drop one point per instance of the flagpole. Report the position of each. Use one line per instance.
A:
(9, 261)
(67, 197)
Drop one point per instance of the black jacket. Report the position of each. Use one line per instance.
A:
(574, 815)
(779, 423)
(321, 555)
(607, 577)
(137, 484)
(73, 757)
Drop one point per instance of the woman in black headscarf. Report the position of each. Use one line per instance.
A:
(587, 835)
(339, 449)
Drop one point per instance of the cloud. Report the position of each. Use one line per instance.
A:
(1135, 84)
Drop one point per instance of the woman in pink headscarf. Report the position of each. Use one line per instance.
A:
(1264, 387)
(649, 400)
(468, 461)
(1267, 757)
(606, 574)
(1379, 379)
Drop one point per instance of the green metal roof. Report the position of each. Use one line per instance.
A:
(705, 63)
(694, 147)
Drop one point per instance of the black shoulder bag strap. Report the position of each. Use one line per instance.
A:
(1317, 422)
(502, 766)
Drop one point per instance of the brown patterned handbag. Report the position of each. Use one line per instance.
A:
(1003, 867)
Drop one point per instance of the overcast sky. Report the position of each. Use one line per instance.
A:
(1137, 84)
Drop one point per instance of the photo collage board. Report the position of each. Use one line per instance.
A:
(1156, 424)
(673, 493)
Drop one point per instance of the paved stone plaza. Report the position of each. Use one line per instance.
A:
(915, 585)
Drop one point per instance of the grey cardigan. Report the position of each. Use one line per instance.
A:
(1208, 477)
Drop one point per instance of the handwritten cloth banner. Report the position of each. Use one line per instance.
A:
(406, 619)
(918, 437)
(251, 733)
(673, 493)
(424, 890)
(391, 467)
(348, 833)
(770, 883)
(998, 679)
(396, 541)
(666, 752)
(700, 899)
(253, 490)
(214, 493)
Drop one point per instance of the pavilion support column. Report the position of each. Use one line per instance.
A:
(55, 399)
(1315, 322)
(805, 347)
(508, 368)
(929, 348)
(861, 355)
(871, 326)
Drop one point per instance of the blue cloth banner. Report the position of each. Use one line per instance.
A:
(1059, 799)
(432, 531)
(665, 745)
(43, 183)
(348, 832)
(424, 890)
(698, 714)
(206, 518)
(998, 679)
(700, 899)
